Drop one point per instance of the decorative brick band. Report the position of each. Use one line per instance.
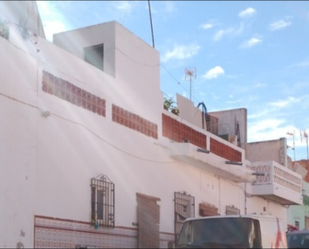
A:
(73, 94)
(224, 151)
(134, 122)
(179, 132)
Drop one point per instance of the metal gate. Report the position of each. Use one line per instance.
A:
(184, 208)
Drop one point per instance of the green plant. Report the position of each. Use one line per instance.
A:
(169, 105)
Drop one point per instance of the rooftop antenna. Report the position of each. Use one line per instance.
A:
(292, 134)
(306, 137)
(190, 73)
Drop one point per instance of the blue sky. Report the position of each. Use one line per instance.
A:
(247, 54)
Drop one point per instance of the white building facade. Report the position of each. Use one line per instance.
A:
(89, 157)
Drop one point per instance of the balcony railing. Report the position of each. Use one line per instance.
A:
(181, 131)
(200, 148)
(278, 183)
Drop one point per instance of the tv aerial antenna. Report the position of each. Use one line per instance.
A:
(293, 135)
(190, 73)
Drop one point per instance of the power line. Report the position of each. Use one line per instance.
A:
(170, 73)
(177, 81)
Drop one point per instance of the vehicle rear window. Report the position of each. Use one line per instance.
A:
(298, 240)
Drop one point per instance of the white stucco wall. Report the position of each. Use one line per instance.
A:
(227, 121)
(24, 14)
(274, 150)
(48, 161)
(134, 64)
(18, 153)
(74, 41)
(189, 112)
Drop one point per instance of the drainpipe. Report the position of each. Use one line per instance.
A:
(219, 195)
(245, 198)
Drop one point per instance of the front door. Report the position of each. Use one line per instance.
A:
(148, 215)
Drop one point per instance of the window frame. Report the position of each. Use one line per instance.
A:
(91, 56)
(102, 210)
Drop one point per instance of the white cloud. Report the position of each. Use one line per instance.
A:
(123, 5)
(258, 85)
(280, 24)
(266, 129)
(284, 103)
(228, 32)
(206, 26)
(273, 129)
(273, 107)
(233, 101)
(255, 40)
(247, 12)
(181, 52)
(52, 21)
(213, 73)
(169, 6)
(214, 96)
(232, 76)
(162, 8)
(209, 24)
(185, 94)
(301, 64)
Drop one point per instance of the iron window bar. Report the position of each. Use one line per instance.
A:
(102, 202)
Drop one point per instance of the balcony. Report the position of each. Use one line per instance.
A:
(200, 148)
(210, 162)
(279, 183)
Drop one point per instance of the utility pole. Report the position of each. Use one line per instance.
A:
(153, 44)
(306, 136)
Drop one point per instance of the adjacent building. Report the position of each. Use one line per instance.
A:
(298, 216)
(90, 158)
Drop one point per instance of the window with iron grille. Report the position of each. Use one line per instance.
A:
(184, 208)
(102, 202)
